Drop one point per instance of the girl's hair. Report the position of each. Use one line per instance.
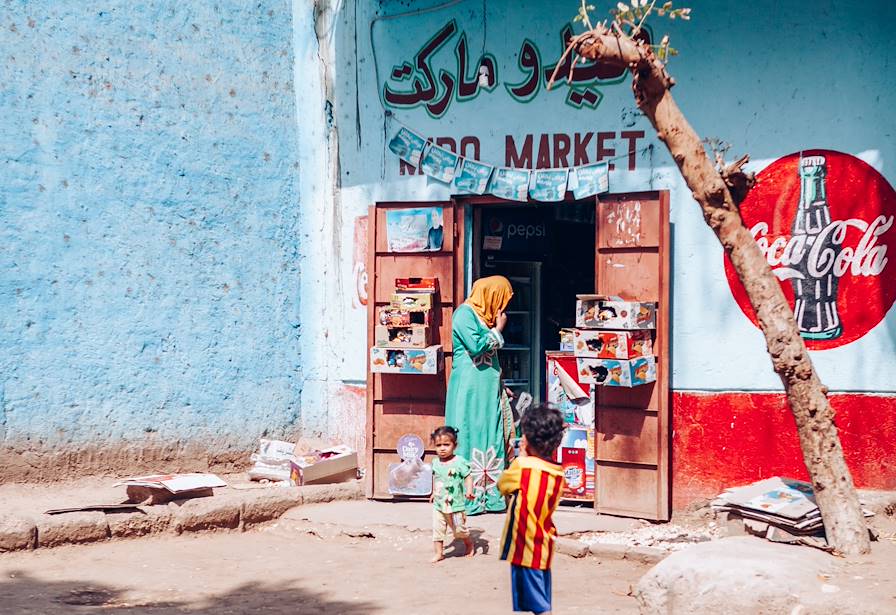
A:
(444, 430)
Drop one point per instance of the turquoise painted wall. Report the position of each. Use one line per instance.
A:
(149, 269)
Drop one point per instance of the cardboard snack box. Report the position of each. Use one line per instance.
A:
(331, 465)
(617, 372)
(407, 360)
(397, 317)
(596, 344)
(412, 302)
(417, 285)
(576, 454)
(410, 336)
(602, 312)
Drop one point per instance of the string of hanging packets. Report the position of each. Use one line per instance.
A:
(471, 176)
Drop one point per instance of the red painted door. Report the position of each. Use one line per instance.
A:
(632, 424)
(399, 404)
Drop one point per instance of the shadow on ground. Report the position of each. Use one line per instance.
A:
(21, 594)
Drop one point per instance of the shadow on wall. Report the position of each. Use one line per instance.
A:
(21, 593)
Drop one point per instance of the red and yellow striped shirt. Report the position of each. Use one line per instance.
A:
(535, 485)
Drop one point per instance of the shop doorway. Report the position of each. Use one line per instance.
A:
(621, 241)
(547, 253)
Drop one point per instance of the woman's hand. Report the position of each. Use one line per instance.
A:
(501, 321)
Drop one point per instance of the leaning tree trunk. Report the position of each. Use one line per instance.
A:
(719, 193)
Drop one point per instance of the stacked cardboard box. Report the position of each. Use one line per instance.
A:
(403, 333)
(784, 503)
(613, 343)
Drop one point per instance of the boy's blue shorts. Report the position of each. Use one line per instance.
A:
(531, 589)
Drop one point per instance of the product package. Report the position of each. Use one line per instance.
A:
(598, 344)
(617, 372)
(410, 336)
(603, 312)
(407, 360)
(412, 302)
(417, 285)
(397, 317)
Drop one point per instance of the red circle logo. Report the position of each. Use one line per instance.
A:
(824, 221)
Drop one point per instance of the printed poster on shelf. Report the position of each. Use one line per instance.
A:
(414, 230)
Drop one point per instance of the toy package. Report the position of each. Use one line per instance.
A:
(602, 312)
(599, 344)
(617, 372)
(397, 317)
(411, 336)
(412, 302)
(407, 360)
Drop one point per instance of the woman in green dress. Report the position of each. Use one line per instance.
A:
(476, 405)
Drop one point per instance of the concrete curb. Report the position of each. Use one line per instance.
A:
(643, 555)
(226, 510)
(570, 546)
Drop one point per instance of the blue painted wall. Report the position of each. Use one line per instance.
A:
(149, 282)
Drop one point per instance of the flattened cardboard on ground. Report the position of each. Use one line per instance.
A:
(784, 503)
(160, 488)
(339, 466)
(93, 507)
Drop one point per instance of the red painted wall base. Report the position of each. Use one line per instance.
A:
(725, 439)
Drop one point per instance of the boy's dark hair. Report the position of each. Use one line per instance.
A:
(444, 430)
(543, 427)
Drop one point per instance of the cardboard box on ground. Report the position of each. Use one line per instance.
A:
(277, 460)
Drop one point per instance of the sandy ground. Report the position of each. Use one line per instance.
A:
(301, 564)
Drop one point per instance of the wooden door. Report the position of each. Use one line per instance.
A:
(399, 404)
(632, 424)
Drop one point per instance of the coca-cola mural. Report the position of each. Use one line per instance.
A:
(824, 221)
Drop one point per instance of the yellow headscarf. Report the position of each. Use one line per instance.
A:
(489, 297)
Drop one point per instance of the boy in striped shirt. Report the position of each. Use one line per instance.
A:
(535, 482)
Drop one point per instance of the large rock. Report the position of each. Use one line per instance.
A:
(17, 533)
(71, 528)
(741, 575)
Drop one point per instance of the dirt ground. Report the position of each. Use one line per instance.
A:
(295, 566)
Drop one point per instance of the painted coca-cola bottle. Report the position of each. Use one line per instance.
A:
(815, 308)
